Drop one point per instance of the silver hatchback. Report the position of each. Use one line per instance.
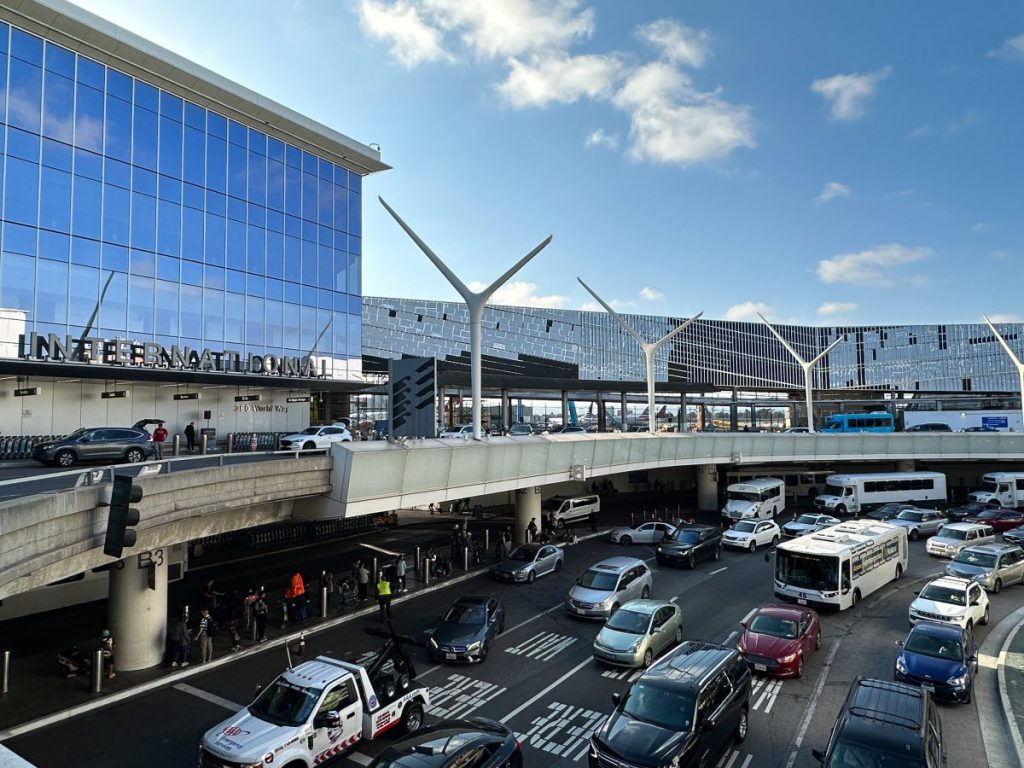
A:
(606, 585)
(994, 566)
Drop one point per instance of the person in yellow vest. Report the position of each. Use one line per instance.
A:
(384, 598)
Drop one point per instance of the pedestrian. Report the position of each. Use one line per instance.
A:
(182, 643)
(107, 652)
(456, 538)
(400, 569)
(384, 598)
(326, 589)
(159, 435)
(190, 436)
(531, 530)
(260, 612)
(210, 595)
(432, 508)
(298, 590)
(362, 581)
(205, 634)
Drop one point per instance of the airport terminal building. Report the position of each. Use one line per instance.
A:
(172, 245)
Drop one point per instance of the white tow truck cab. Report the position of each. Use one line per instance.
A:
(1004, 488)
(762, 497)
(317, 710)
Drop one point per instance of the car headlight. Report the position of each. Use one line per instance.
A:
(788, 658)
(593, 750)
(474, 647)
(960, 680)
(636, 646)
(741, 647)
(901, 666)
(432, 642)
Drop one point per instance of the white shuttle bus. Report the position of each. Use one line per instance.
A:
(1005, 488)
(839, 566)
(857, 494)
(763, 497)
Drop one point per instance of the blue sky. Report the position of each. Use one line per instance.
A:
(824, 163)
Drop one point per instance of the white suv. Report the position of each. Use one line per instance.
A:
(316, 438)
(949, 600)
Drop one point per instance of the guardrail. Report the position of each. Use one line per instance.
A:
(20, 446)
(238, 442)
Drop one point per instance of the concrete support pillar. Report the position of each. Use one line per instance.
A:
(734, 424)
(905, 465)
(623, 407)
(683, 424)
(506, 412)
(527, 508)
(601, 421)
(565, 407)
(707, 487)
(137, 615)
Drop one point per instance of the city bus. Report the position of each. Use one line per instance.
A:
(799, 482)
(837, 567)
(856, 494)
(859, 422)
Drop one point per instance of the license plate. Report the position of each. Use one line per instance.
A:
(580, 610)
(801, 601)
(449, 656)
(761, 667)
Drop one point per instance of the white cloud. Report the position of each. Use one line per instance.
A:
(677, 42)
(558, 77)
(999, 319)
(832, 308)
(413, 40)
(601, 138)
(969, 119)
(749, 310)
(847, 95)
(1000, 255)
(650, 294)
(980, 227)
(617, 304)
(831, 191)
(870, 267)
(921, 131)
(520, 294)
(1011, 50)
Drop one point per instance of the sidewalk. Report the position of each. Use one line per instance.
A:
(1011, 686)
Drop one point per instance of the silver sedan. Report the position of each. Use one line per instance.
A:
(920, 522)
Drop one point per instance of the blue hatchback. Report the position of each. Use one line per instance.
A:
(940, 658)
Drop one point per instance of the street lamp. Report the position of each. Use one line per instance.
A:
(650, 349)
(1016, 361)
(474, 302)
(807, 365)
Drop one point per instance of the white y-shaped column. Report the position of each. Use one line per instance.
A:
(650, 349)
(1016, 361)
(474, 302)
(807, 365)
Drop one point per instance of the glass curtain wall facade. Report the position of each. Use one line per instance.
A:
(197, 230)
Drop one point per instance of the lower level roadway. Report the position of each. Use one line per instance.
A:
(540, 678)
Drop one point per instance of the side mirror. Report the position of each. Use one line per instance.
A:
(818, 755)
(259, 689)
(616, 699)
(743, 623)
(917, 593)
(899, 643)
(327, 720)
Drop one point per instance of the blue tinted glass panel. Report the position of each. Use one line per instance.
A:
(168, 228)
(237, 133)
(144, 139)
(340, 332)
(325, 266)
(275, 149)
(114, 309)
(216, 203)
(144, 264)
(275, 289)
(215, 239)
(119, 85)
(216, 163)
(89, 118)
(60, 60)
(119, 129)
(257, 216)
(145, 96)
(325, 299)
(91, 73)
(275, 185)
(340, 208)
(56, 155)
(17, 281)
(355, 214)
(117, 173)
(293, 226)
(326, 199)
(143, 221)
(193, 196)
(309, 197)
(293, 156)
(192, 234)
(257, 178)
(213, 315)
(309, 231)
(144, 181)
(170, 106)
(195, 116)
(309, 163)
(116, 206)
(275, 254)
(27, 47)
(216, 125)
(275, 221)
(255, 285)
(257, 142)
(235, 281)
(254, 320)
(340, 177)
(52, 299)
(26, 94)
(55, 200)
(234, 316)
(292, 324)
(236, 244)
(355, 334)
(292, 293)
(166, 315)
(325, 236)
(86, 219)
(169, 189)
(88, 164)
(3, 86)
(141, 298)
(308, 326)
(355, 280)
(115, 257)
(274, 324)
(255, 253)
(340, 270)
(195, 156)
(236, 209)
(293, 191)
(85, 252)
(237, 171)
(293, 259)
(54, 245)
(83, 293)
(191, 273)
(20, 239)
(21, 192)
(23, 144)
(168, 268)
(309, 263)
(170, 147)
(5, 32)
(355, 183)
(214, 277)
(59, 107)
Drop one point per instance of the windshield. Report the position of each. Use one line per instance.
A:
(598, 580)
(914, 517)
(465, 614)
(523, 554)
(980, 559)
(937, 647)
(818, 572)
(669, 708)
(989, 485)
(832, 424)
(942, 594)
(988, 514)
(685, 536)
(833, 490)
(848, 753)
(745, 527)
(807, 520)
(743, 496)
(285, 704)
(310, 431)
(629, 621)
(889, 509)
(946, 532)
(774, 626)
(555, 503)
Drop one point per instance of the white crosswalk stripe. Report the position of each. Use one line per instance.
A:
(543, 646)
(622, 674)
(564, 731)
(765, 692)
(461, 696)
(731, 760)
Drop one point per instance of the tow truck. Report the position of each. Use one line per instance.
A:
(317, 710)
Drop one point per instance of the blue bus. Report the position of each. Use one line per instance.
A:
(859, 422)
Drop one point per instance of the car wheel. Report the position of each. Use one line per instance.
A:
(718, 553)
(560, 524)
(775, 541)
(899, 571)
(840, 510)
(309, 445)
(648, 658)
(984, 619)
(741, 727)
(134, 456)
(800, 666)
(615, 607)
(530, 577)
(752, 546)
(970, 625)
(558, 565)
(775, 511)
(626, 540)
(914, 534)
(404, 681)
(412, 720)
(64, 459)
(691, 561)
(646, 593)
(817, 641)
(856, 598)
(997, 587)
(679, 635)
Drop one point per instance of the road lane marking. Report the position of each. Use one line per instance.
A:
(359, 757)
(769, 690)
(676, 597)
(543, 646)
(207, 696)
(546, 691)
(532, 618)
(805, 723)
(724, 568)
(733, 757)
(564, 731)
(461, 696)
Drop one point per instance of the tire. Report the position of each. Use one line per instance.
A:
(741, 728)
(412, 718)
(309, 445)
(65, 459)
(648, 658)
(559, 524)
(530, 577)
(753, 545)
(626, 540)
(970, 625)
(856, 598)
(134, 455)
(679, 635)
(558, 565)
(691, 561)
(404, 681)
(899, 571)
(775, 541)
(984, 619)
(718, 553)
(997, 587)
(817, 641)
(914, 534)
(841, 510)
(800, 666)
(646, 593)
(775, 511)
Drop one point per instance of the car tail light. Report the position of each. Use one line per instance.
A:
(149, 438)
(518, 746)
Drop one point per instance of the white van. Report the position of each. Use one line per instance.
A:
(761, 497)
(562, 510)
(1004, 488)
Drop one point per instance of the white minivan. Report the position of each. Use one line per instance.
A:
(763, 497)
(563, 510)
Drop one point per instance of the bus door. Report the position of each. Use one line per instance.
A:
(845, 582)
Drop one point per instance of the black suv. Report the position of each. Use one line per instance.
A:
(686, 711)
(883, 722)
(689, 544)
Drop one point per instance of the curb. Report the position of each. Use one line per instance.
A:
(1011, 720)
(175, 677)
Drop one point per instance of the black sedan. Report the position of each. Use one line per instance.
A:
(1014, 536)
(888, 511)
(468, 629)
(970, 509)
(475, 742)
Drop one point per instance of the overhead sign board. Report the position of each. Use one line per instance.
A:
(299, 399)
(114, 394)
(26, 392)
(186, 396)
(248, 398)
(995, 422)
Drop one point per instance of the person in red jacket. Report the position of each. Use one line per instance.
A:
(159, 435)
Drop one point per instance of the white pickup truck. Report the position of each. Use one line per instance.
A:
(317, 710)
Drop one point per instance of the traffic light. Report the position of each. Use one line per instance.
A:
(122, 517)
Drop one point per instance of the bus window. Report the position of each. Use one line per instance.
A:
(846, 576)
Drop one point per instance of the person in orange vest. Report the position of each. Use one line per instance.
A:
(298, 590)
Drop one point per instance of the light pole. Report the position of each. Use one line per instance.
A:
(1016, 361)
(650, 349)
(807, 365)
(474, 302)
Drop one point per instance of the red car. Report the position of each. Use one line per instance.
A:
(777, 638)
(1000, 519)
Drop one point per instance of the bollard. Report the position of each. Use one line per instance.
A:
(252, 632)
(301, 650)
(465, 558)
(631, 523)
(487, 540)
(417, 560)
(231, 442)
(323, 602)
(253, 443)
(425, 573)
(203, 441)
(176, 445)
(97, 671)
(374, 575)
(5, 672)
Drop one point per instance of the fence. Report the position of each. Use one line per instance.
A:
(20, 446)
(265, 441)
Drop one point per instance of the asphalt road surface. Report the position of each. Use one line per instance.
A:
(540, 678)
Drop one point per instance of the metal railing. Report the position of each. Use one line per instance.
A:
(20, 446)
